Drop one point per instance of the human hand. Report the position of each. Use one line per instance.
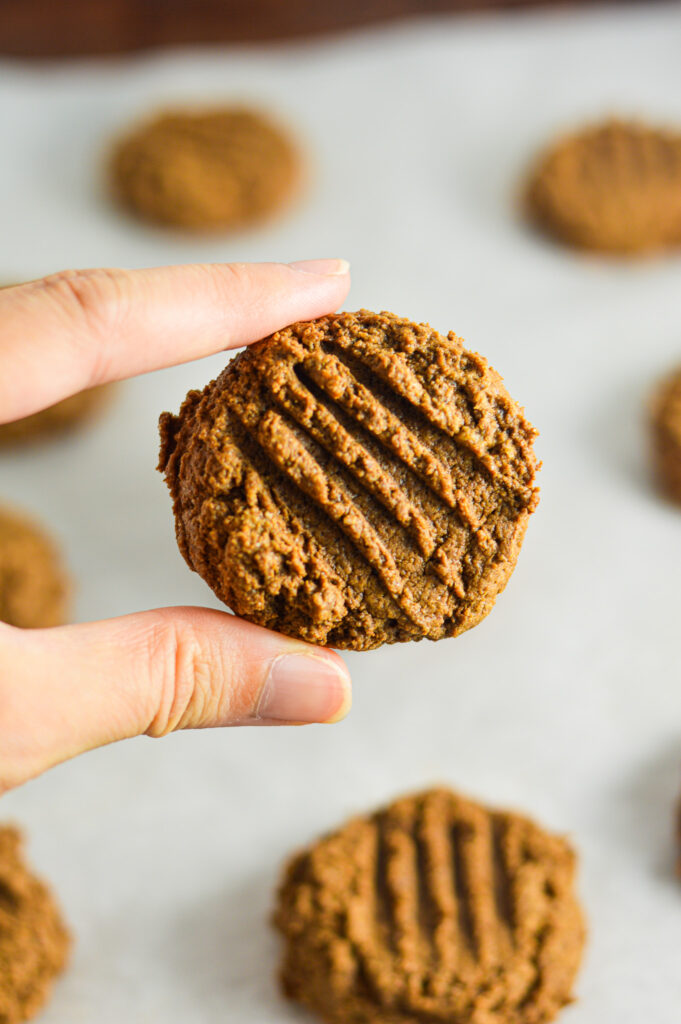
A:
(64, 691)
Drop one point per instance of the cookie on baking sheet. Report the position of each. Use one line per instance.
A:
(65, 416)
(614, 187)
(353, 481)
(434, 909)
(34, 585)
(210, 169)
(665, 422)
(34, 941)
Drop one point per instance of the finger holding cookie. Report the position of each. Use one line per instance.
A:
(68, 689)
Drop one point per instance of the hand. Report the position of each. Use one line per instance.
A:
(68, 690)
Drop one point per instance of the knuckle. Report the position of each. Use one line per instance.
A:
(186, 679)
(20, 757)
(230, 282)
(228, 276)
(93, 299)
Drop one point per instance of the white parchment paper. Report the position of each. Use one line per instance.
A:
(566, 701)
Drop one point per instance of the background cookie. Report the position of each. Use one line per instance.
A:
(34, 942)
(614, 187)
(57, 419)
(434, 909)
(353, 481)
(33, 583)
(666, 436)
(206, 169)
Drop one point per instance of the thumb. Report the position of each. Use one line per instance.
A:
(65, 691)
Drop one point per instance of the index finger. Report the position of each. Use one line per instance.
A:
(76, 329)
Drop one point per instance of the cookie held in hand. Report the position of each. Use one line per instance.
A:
(434, 909)
(613, 187)
(353, 481)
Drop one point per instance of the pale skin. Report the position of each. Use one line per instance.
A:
(65, 691)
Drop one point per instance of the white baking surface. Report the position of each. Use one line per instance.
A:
(566, 701)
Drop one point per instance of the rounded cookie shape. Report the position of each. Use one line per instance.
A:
(33, 583)
(614, 187)
(218, 168)
(353, 481)
(433, 909)
(34, 942)
(665, 422)
(58, 419)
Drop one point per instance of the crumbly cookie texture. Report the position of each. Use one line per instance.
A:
(202, 170)
(70, 414)
(665, 422)
(34, 941)
(434, 909)
(34, 586)
(353, 481)
(614, 187)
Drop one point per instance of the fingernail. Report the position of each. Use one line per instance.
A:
(304, 688)
(326, 268)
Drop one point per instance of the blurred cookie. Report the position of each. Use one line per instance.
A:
(33, 583)
(201, 170)
(65, 416)
(677, 831)
(614, 187)
(433, 909)
(34, 942)
(666, 436)
(353, 481)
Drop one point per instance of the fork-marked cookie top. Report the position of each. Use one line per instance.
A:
(614, 187)
(218, 168)
(352, 481)
(435, 909)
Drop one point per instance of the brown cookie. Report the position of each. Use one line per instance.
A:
(58, 419)
(353, 481)
(614, 187)
(34, 942)
(33, 583)
(200, 170)
(665, 422)
(434, 909)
